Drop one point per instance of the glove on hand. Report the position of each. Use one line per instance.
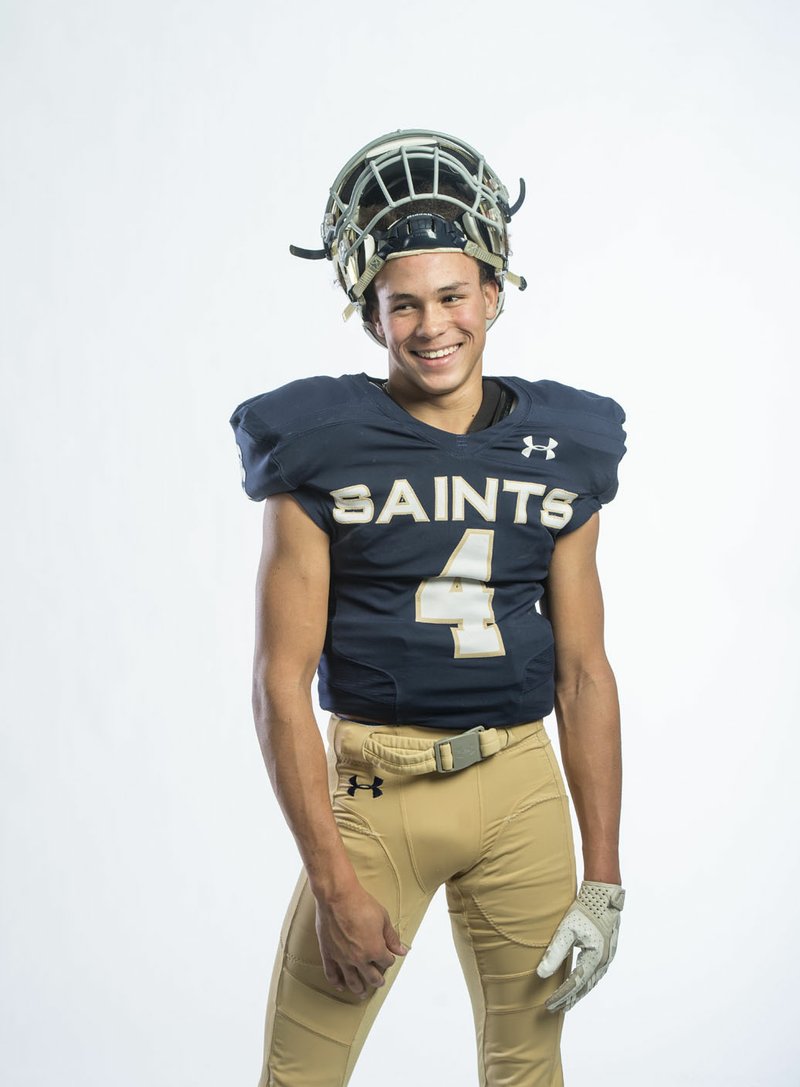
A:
(591, 922)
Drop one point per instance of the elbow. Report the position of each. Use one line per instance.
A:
(259, 698)
(277, 692)
(578, 678)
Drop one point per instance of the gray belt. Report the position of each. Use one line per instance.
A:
(399, 754)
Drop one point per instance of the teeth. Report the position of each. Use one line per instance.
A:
(437, 354)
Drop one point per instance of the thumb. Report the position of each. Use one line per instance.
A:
(393, 941)
(558, 950)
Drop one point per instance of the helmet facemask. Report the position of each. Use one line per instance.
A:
(414, 192)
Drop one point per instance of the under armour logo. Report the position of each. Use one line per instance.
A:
(374, 786)
(546, 449)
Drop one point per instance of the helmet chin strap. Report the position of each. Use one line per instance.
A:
(356, 292)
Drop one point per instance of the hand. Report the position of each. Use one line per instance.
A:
(591, 922)
(357, 941)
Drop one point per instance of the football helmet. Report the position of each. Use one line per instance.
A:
(364, 225)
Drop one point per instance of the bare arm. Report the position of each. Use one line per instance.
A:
(586, 703)
(356, 937)
(291, 616)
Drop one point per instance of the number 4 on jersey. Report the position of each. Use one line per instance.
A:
(461, 597)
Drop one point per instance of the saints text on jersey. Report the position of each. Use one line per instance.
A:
(356, 505)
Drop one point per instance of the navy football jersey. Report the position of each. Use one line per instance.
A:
(439, 543)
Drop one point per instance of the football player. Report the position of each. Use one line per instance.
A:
(429, 553)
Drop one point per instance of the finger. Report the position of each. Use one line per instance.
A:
(545, 969)
(559, 948)
(332, 973)
(612, 944)
(567, 990)
(353, 981)
(373, 975)
(565, 1000)
(569, 1000)
(383, 962)
(393, 941)
(562, 1002)
(593, 980)
(567, 1003)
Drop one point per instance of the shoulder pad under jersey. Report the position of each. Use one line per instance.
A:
(590, 409)
(596, 441)
(269, 429)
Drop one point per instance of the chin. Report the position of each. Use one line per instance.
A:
(440, 383)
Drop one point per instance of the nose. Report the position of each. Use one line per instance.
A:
(431, 322)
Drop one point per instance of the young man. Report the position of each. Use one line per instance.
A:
(413, 529)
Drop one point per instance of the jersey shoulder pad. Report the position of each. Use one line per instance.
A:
(591, 442)
(278, 432)
(589, 409)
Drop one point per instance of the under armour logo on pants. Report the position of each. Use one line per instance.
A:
(374, 786)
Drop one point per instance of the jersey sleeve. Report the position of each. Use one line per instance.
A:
(594, 426)
(280, 449)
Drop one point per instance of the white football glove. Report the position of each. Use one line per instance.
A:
(591, 923)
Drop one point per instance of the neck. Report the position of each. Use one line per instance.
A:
(452, 411)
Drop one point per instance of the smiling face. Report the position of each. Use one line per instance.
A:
(431, 312)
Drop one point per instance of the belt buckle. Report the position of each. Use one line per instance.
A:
(464, 746)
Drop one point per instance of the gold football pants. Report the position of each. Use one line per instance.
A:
(498, 835)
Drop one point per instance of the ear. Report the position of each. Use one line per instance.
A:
(491, 293)
(376, 327)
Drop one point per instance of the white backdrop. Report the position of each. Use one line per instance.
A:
(157, 159)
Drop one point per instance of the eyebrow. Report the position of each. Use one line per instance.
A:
(440, 290)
